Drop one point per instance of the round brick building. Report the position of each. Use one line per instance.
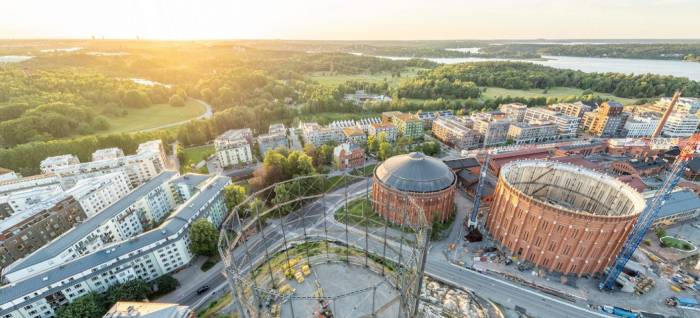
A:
(405, 184)
(563, 218)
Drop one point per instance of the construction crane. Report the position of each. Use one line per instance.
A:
(472, 223)
(646, 218)
(667, 113)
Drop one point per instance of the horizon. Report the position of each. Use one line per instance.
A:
(361, 20)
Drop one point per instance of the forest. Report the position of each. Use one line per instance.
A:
(521, 75)
(663, 51)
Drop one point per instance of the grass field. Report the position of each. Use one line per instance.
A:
(194, 155)
(493, 92)
(154, 116)
(337, 79)
(668, 241)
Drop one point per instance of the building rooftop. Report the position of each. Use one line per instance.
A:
(353, 132)
(131, 309)
(679, 201)
(112, 255)
(66, 240)
(415, 172)
(461, 163)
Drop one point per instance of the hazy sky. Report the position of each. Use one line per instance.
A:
(350, 19)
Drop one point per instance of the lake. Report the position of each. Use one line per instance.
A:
(14, 58)
(690, 70)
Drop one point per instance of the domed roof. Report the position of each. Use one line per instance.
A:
(415, 172)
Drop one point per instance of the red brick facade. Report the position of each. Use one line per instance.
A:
(391, 204)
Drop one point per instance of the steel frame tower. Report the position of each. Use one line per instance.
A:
(646, 218)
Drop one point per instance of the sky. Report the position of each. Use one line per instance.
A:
(350, 19)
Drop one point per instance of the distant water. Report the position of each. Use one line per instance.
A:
(690, 70)
(146, 82)
(14, 58)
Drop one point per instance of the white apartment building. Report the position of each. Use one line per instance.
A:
(142, 208)
(233, 147)
(148, 161)
(567, 126)
(680, 124)
(493, 131)
(276, 137)
(146, 256)
(314, 134)
(685, 105)
(640, 126)
(6, 175)
(515, 112)
(108, 153)
(95, 194)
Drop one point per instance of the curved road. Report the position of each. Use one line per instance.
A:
(207, 114)
(314, 214)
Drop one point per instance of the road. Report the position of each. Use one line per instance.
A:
(314, 214)
(207, 114)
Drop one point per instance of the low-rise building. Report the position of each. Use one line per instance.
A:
(161, 250)
(148, 161)
(525, 133)
(24, 233)
(232, 148)
(638, 126)
(515, 112)
(645, 167)
(276, 137)
(455, 133)
(682, 205)
(389, 130)
(348, 156)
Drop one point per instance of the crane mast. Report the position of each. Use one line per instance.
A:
(646, 218)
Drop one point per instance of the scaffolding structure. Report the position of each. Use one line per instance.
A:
(290, 229)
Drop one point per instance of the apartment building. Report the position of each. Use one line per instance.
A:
(24, 233)
(276, 137)
(148, 161)
(7, 174)
(576, 109)
(141, 209)
(106, 154)
(408, 125)
(637, 126)
(515, 112)
(95, 194)
(680, 125)
(151, 254)
(532, 132)
(354, 135)
(389, 130)
(567, 126)
(232, 148)
(606, 121)
(314, 134)
(493, 128)
(455, 133)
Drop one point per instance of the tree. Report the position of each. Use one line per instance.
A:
(385, 151)
(133, 290)
(431, 148)
(88, 306)
(165, 284)
(176, 100)
(372, 144)
(136, 99)
(203, 238)
(234, 194)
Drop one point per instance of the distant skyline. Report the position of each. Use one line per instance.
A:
(351, 19)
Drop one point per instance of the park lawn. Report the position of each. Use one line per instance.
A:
(359, 212)
(325, 78)
(212, 311)
(560, 92)
(154, 116)
(194, 155)
(669, 241)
